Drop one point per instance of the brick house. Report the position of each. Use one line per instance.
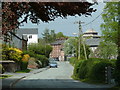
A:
(57, 51)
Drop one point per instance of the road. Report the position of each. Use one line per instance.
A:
(55, 78)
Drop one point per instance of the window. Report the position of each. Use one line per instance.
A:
(30, 36)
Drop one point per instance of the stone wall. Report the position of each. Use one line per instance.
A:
(10, 66)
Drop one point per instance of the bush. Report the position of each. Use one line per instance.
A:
(24, 61)
(73, 60)
(31, 54)
(92, 69)
(97, 72)
(43, 59)
(2, 70)
(39, 63)
(11, 54)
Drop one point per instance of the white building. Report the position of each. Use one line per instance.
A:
(30, 33)
(24, 36)
(92, 39)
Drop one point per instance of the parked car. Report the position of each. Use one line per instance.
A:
(53, 64)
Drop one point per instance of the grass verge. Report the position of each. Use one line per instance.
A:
(88, 81)
(23, 71)
(5, 76)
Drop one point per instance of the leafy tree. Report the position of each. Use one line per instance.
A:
(39, 11)
(40, 49)
(111, 30)
(105, 50)
(71, 46)
(46, 35)
(42, 41)
(110, 25)
(59, 35)
(52, 35)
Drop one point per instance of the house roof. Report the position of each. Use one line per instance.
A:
(90, 31)
(22, 31)
(93, 41)
(58, 42)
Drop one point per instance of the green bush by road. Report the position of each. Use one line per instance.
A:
(92, 69)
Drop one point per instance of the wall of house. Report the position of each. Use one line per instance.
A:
(17, 43)
(57, 52)
(32, 38)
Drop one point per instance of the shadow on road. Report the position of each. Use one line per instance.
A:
(44, 84)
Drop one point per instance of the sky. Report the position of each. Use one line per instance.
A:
(67, 26)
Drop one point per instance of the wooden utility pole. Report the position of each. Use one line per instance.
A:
(80, 40)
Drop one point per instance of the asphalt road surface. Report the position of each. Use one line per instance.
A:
(55, 78)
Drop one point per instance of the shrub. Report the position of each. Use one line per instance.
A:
(77, 67)
(14, 54)
(24, 61)
(30, 53)
(92, 69)
(43, 59)
(2, 70)
(39, 63)
(73, 60)
(97, 72)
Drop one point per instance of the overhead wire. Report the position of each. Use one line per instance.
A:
(93, 19)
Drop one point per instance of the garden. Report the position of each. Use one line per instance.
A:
(36, 55)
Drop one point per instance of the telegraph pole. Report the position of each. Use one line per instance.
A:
(80, 40)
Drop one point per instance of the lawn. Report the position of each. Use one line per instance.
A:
(5, 76)
(23, 71)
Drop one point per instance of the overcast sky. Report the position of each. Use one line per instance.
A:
(67, 26)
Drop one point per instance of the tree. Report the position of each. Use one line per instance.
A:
(40, 11)
(71, 47)
(59, 35)
(52, 35)
(110, 25)
(111, 30)
(46, 35)
(105, 50)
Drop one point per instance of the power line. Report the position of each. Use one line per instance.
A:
(93, 19)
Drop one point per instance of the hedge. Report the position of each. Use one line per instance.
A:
(92, 69)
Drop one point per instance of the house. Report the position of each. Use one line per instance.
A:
(57, 51)
(92, 39)
(24, 37)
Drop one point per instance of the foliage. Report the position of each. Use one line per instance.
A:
(42, 60)
(110, 30)
(73, 60)
(36, 11)
(9, 53)
(14, 54)
(110, 25)
(117, 71)
(92, 69)
(97, 73)
(39, 49)
(5, 76)
(2, 70)
(107, 50)
(60, 35)
(24, 61)
(71, 47)
(23, 71)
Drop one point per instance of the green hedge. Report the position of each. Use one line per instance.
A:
(73, 60)
(43, 59)
(92, 69)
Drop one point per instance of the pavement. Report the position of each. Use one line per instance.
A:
(10, 81)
